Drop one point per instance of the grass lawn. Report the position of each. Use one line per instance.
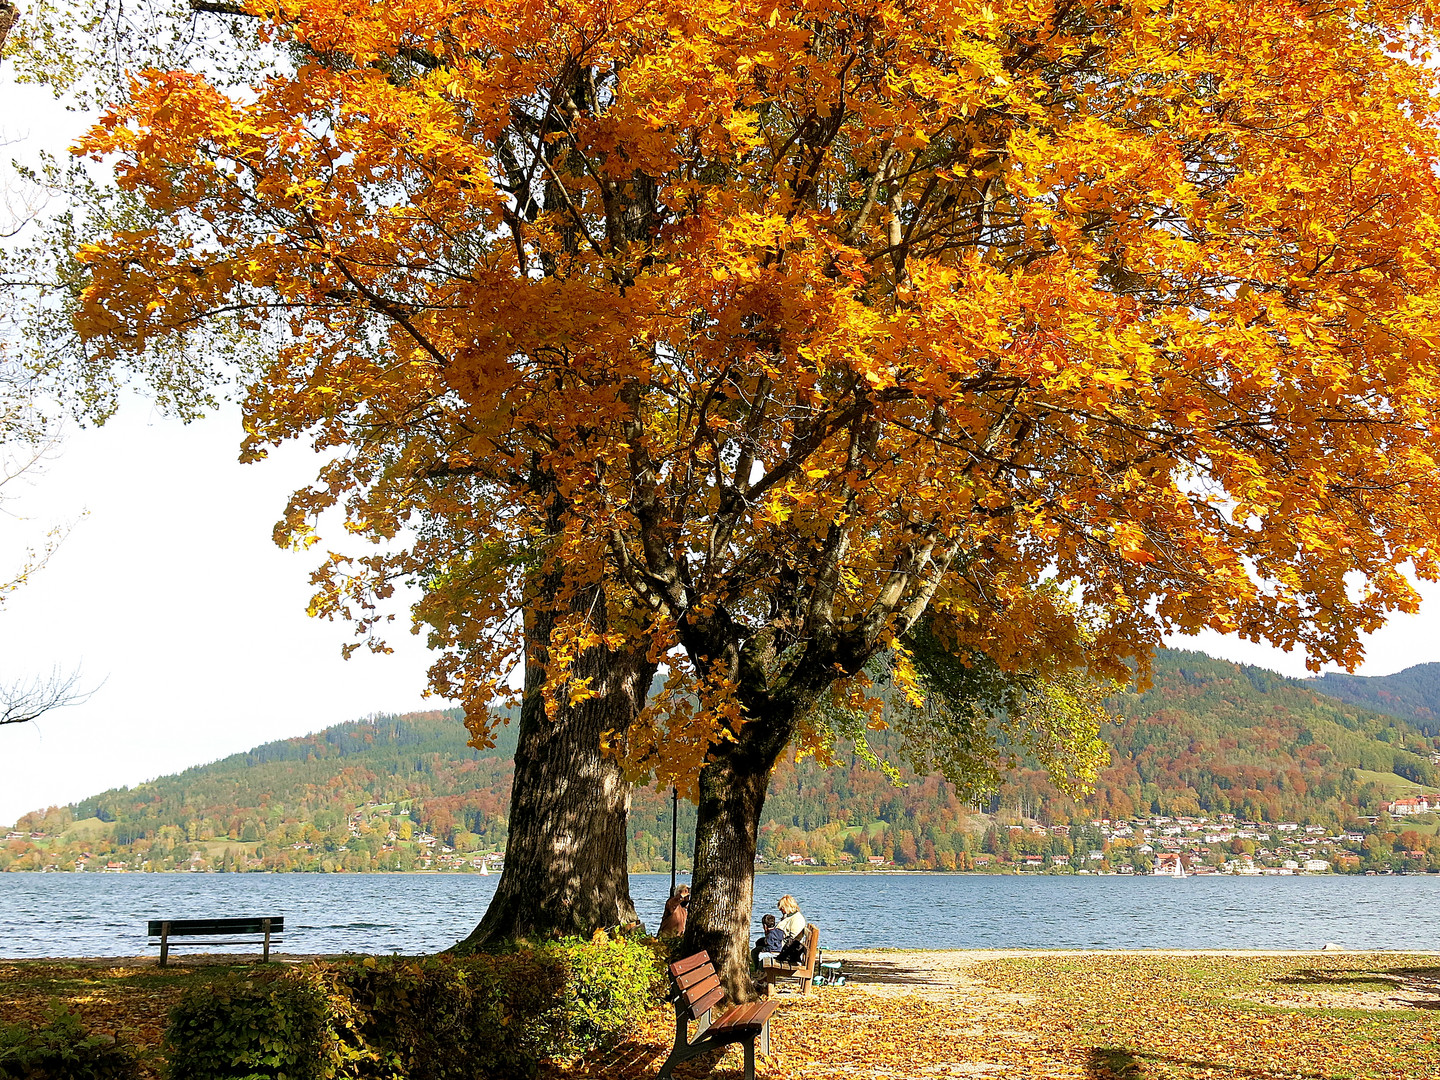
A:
(1393, 784)
(1117, 1016)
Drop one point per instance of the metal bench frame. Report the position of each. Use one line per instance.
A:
(265, 932)
(697, 991)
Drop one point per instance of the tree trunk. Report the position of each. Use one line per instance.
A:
(566, 867)
(733, 785)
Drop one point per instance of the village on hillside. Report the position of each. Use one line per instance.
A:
(1401, 839)
(374, 837)
(1176, 846)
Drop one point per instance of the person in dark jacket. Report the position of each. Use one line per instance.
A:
(770, 943)
(672, 923)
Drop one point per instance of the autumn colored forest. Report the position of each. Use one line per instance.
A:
(1208, 737)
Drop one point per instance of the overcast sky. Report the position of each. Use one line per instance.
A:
(170, 598)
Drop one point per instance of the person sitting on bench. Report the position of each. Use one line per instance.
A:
(768, 944)
(793, 924)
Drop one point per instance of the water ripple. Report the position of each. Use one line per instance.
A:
(105, 914)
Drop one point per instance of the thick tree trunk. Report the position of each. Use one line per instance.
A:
(566, 868)
(733, 785)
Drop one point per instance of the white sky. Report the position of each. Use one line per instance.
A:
(170, 593)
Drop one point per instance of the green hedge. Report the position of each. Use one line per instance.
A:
(442, 1019)
(59, 1049)
(265, 1027)
(490, 1015)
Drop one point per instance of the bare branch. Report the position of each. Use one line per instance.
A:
(26, 700)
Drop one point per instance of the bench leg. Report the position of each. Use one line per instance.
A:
(750, 1059)
(765, 1039)
(164, 943)
(266, 924)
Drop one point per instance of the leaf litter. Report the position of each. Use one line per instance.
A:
(970, 1015)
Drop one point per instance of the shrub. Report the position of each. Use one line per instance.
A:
(272, 1027)
(496, 1014)
(442, 1018)
(609, 984)
(60, 1050)
(490, 1016)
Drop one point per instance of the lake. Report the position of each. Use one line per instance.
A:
(104, 914)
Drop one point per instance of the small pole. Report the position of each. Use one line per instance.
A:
(674, 832)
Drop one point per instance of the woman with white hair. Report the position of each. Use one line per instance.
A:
(793, 923)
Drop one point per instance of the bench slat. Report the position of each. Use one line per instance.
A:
(698, 975)
(680, 967)
(223, 941)
(200, 927)
(709, 1001)
(699, 990)
(753, 1015)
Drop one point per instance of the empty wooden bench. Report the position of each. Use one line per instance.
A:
(773, 972)
(697, 992)
(263, 931)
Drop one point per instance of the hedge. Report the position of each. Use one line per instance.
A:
(490, 1015)
(263, 1027)
(60, 1049)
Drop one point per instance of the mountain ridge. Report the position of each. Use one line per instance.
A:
(1412, 694)
(1209, 737)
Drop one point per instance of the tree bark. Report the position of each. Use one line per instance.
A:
(566, 866)
(733, 785)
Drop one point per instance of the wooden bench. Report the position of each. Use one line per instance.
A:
(697, 992)
(264, 931)
(772, 971)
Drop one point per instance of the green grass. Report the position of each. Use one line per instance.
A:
(1393, 784)
(867, 830)
(89, 829)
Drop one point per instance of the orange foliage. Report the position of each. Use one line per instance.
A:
(784, 321)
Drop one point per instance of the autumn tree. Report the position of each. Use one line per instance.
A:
(741, 336)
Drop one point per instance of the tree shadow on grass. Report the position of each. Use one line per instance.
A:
(1418, 978)
(1357, 977)
(635, 1059)
(886, 973)
(1396, 981)
(1112, 1063)
(1122, 1063)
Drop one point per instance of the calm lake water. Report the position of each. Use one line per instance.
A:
(105, 914)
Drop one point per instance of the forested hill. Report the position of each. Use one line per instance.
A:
(1412, 694)
(1208, 737)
